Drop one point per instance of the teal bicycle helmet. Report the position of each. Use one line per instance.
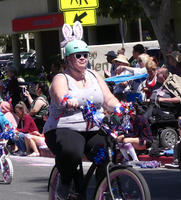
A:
(75, 46)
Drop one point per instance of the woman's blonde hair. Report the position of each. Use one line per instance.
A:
(144, 57)
(22, 106)
(151, 65)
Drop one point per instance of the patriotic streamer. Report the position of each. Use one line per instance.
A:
(124, 111)
(63, 101)
(94, 118)
(7, 134)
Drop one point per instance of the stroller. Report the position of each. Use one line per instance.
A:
(163, 121)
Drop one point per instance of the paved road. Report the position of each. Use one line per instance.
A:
(31, 177)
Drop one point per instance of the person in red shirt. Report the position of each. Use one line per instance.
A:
(26, 125)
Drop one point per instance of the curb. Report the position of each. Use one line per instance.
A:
(45, 152)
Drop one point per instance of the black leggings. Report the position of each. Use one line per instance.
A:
(68, 146)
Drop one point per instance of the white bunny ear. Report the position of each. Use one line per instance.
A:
(78, 30)
(67, 31)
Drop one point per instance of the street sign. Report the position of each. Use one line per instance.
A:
(85, 17)
(66, 5)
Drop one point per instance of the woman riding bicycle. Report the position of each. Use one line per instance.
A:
(66, 132)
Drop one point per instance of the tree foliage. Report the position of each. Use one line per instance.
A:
(129, 9)
(159, 12)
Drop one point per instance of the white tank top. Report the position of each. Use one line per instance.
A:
(60, 117)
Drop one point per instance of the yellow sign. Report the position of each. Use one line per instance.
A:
(66, 5)
(85, 17)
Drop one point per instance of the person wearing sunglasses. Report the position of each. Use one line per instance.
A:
(67, 134)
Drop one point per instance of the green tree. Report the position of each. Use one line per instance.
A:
(159, 12)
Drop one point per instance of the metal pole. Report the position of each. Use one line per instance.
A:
(27, 42)
(121, 30)
(140, 29)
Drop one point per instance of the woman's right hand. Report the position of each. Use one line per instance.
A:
(72, 104)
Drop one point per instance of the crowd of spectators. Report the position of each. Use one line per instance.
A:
(162, 85)
(27, 113)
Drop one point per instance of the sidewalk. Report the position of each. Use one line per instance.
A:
(45, 152)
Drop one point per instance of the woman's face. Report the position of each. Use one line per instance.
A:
(19, 113)
(152, 73)
(79, 61)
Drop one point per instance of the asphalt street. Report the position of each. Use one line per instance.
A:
(31, 179)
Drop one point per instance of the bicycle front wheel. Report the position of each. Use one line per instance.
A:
(126, 183)
(53, 184)
(7, 171)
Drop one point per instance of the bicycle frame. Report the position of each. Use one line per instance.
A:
(111, 163)
(108, 162)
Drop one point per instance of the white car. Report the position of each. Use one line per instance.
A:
(25, 57)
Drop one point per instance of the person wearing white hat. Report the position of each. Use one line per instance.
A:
(121, 62)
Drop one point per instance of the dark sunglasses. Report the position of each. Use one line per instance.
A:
(80, 55)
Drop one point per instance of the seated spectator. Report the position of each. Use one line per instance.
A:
(121, 61)
(40, 105)
(170, 91)
(33, 142)
(135, 85)
(138, 138)
(167, 93)
(26, 125)
(149, 84)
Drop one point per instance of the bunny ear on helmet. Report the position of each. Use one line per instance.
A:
(78, 30)
(67, 33)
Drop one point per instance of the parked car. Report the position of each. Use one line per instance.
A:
(6, 56)
(24, 57)
(31, 61)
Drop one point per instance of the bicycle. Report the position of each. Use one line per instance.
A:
(6, 165)
(119, 182)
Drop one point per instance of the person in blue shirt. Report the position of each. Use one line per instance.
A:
(4, 123)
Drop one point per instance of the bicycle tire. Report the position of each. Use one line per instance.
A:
(127, 183)
(53, 183)
(8, 171)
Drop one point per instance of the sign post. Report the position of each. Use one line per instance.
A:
(66, 5)
(83, 11)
